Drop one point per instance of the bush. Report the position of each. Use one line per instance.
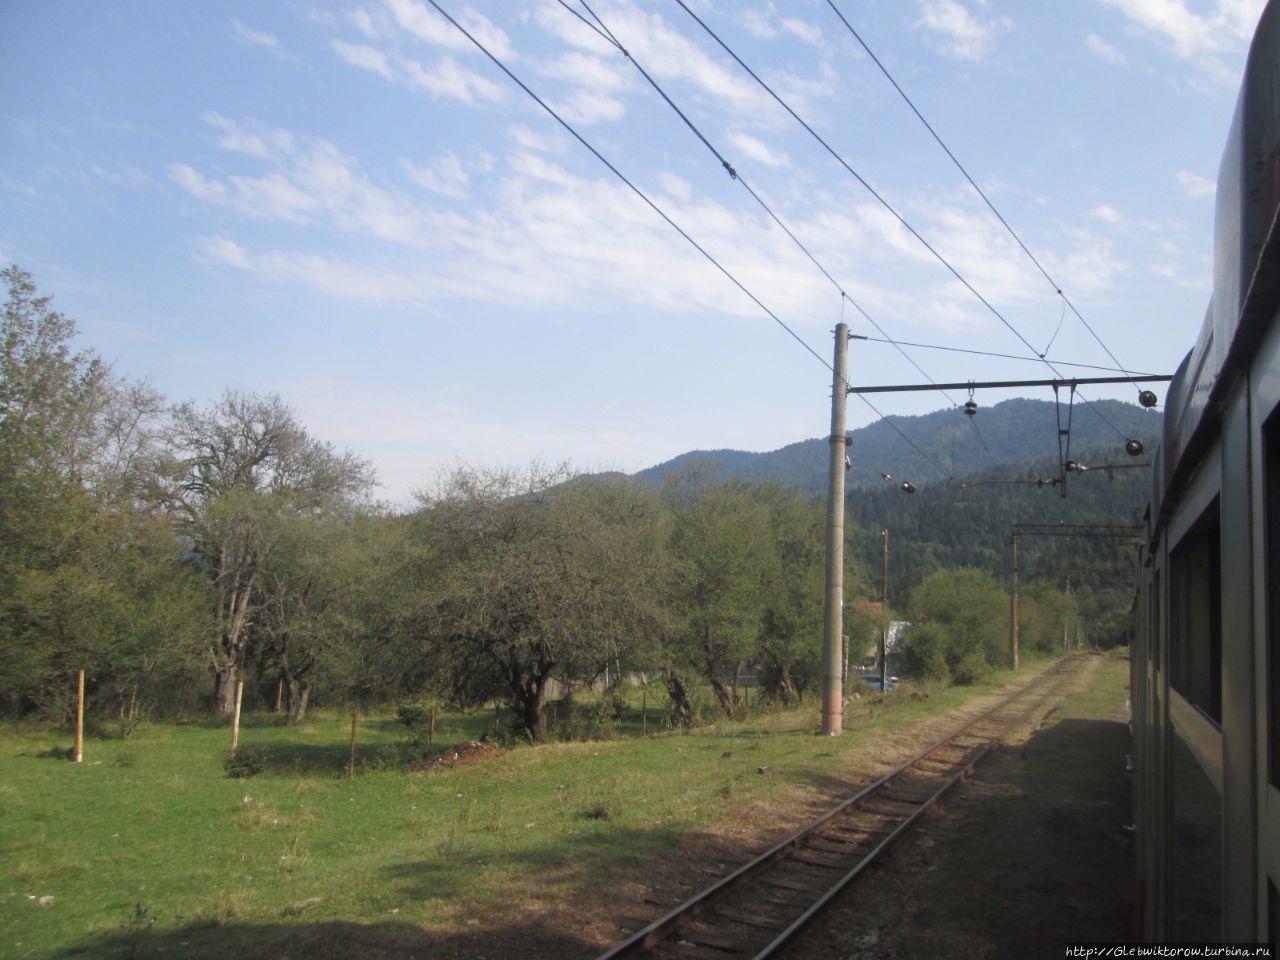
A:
(924, 651)
(971, 668)
(244, 763)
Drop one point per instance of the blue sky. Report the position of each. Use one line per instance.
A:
(349, 205)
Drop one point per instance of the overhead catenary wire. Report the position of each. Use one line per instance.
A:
(602, 30)
(906, 225)
(1002, 356)
(569, 128)
(1066, 301)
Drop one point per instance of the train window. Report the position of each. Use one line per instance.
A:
(1271, 488)
(1195, 627)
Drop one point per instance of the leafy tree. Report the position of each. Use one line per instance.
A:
(789, 645)
(530, 576)
(324, 588)
(721, 553)
(237, 470)
(84, 572)
(966, 610)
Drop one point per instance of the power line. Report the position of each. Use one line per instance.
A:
(879, 198)
(661, 213)
(987, 200)
(1001, 356)
(621, 176)
(602, 29)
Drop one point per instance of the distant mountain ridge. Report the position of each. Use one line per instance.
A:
(1010, 434)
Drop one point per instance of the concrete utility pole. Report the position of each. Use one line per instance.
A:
(833, 620)
(884, 616)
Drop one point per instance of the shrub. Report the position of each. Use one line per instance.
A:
(970, 669)
(924, 650)
(244, 763)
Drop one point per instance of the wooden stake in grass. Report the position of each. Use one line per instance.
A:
(79, 755)
(431, 730)
(351, 757)
(644, 713)
(235, 719)
(279, 693)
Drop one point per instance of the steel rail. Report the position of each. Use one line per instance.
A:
(656, 932)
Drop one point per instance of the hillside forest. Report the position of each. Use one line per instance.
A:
(172, 549)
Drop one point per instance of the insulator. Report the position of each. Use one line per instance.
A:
(1148, 399)
(908, 487)
(970, 408)
(1133, 448)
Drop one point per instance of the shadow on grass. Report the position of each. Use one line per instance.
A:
(331, 940)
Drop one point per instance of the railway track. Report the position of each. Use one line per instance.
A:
(760, 906)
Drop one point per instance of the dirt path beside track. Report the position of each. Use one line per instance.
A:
(1029, 854)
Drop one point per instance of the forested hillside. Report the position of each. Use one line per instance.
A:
(1017, 433)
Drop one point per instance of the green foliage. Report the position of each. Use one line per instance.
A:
(244, 763)
(925, 648)
(88, 578)
(964, 626)
(526, 576)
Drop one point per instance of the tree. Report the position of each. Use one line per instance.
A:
(325, 588)
(966, 610)
(237, 470)
(85, 573)
(789, 644)
(530, 575)
(721, 551)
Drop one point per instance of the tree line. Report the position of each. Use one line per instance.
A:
(171, 550)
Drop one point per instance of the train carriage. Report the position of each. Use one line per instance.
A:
(1206, 659)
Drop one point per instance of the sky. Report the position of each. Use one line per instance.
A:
(350, 205)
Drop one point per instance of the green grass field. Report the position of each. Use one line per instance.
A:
(149, 849)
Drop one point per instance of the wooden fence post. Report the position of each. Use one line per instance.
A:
(235, 719)
(644, 713)
(79, 754)
(431, 730)
(351, 757)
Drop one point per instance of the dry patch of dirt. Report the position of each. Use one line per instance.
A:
(458, 755)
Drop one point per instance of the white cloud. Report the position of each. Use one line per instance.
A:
(364, 56)
(589, 106)
(451, 80)
(759, 151)
(962, 33)
(259, 38)
(218, 249)
(1107, 214)
(308, 181)
(429, 27)
(1103, 50)
(667, 55)
(190, 180)
(1192, 36)
(765, 24)
(1195, 185)
(261, 142)
(444, 175)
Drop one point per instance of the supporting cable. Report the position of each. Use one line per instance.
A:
(1066, 301)
(667, 219)
(602, 28)
(884, 202)
(1003, 356)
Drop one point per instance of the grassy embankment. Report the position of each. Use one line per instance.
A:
(149, 838)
